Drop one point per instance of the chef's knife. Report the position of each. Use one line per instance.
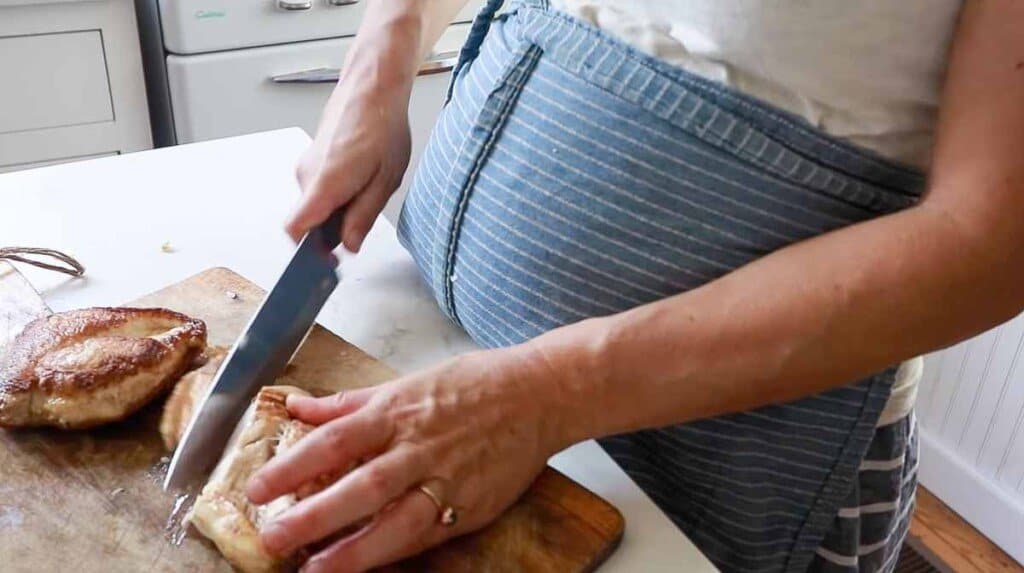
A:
(261, 353)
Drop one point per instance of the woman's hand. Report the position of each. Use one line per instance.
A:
(362, 145)
(357, 159)
(478, 429)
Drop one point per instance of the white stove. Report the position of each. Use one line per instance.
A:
(219, 68)
(198, 26)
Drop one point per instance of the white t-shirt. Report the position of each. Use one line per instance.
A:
(868, 71)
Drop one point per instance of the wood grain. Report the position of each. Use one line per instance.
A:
(961, 547)
(91, 501)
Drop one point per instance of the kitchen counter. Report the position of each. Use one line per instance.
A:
(223, 203)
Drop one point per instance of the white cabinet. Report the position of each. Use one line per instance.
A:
(48, 162)
(198, 26)
(229, 93)
(232, 93)
(39, 71)
(219, 68)
(72, 82)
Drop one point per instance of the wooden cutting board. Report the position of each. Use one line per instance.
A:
(91, 501)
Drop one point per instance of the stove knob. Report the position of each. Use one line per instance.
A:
(295, 4)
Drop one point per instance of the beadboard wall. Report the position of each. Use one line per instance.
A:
(971, 413)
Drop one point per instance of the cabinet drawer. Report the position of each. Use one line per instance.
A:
(53, 80)
(199, 26)
(231, 93)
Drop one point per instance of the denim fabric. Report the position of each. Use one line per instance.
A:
(571, 176)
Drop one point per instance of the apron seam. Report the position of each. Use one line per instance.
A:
(500, 103)
(842, 476)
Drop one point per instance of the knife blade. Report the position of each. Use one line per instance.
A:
(260, 354)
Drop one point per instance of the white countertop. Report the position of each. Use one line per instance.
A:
(223, 203)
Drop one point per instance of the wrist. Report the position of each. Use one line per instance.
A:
(386, 52)
(569, 382)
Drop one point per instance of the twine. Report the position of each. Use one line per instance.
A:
(18, 254)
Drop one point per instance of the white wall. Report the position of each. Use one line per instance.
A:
(971, 411)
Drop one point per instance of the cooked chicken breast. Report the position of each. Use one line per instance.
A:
(88, 367)
(186, 397)
(222, 511)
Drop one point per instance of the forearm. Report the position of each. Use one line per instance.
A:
(833, 309)
(395, 37)
(807, 318)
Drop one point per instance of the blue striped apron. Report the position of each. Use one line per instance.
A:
(571, 176)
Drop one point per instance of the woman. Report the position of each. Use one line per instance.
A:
(699, 230)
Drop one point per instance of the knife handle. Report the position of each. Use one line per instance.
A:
(327, 235)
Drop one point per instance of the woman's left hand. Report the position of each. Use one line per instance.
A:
(477, 430)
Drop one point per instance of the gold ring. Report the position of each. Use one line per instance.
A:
(447, 515)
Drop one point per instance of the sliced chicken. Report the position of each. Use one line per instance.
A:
(92, 366)
(222, 511)
(186, 397)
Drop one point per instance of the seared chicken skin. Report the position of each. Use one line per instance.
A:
(88, 367)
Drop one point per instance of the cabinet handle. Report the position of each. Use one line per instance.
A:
(437, 64)
(292, 5)
(340, 2)
(314, 76)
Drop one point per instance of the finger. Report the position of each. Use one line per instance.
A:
(314, 208)
(405, 529)
(318, 411)
(332, 446)
(327, 192)
(362, 211)
(359, 494)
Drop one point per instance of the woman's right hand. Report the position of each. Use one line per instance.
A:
(361, 149)
(359, 155)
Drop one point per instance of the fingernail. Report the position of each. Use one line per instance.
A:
(292, 230)
(274, 538)
(354, 240)
(256, 489)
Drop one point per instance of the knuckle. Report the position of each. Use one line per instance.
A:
(336, 438)
(272, 477)
(348, 144)
(378, 483)
(418, 458)
(332, 171)
(340, 400)
(263, 481)
(388, 400)
(286, 527)
(303, 171)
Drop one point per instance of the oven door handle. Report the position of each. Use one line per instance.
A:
(437, 64)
